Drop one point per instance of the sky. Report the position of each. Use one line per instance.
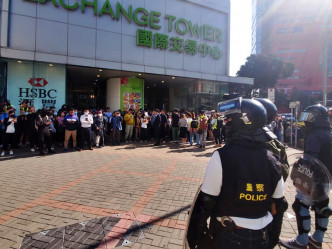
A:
(240, 34)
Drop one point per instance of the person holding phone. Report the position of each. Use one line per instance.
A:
(86, 122)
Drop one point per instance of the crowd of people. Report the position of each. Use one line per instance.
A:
(70, 128)
(284, 129)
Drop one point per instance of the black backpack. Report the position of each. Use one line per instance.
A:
(194, 124)
(219, 123)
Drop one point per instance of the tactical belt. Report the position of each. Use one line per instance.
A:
(228, 223)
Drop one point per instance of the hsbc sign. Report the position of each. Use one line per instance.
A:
(39, 84)
(37, 91)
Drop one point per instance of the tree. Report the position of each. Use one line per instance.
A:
(281, 99)
(304, 98)
(265, 70)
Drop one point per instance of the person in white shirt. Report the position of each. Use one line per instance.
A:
(86, 121)
(10, 137)
(144, 127)
(183, 124)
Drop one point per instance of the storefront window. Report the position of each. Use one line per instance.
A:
(203, 95)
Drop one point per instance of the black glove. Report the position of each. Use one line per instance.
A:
(198, 232)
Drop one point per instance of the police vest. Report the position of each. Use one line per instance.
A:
(250, 176)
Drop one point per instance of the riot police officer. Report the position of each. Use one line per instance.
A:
(279, 152)
(241, 180)
(317, 145)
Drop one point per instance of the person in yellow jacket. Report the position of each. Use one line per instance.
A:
(130, 121)
(217, 124)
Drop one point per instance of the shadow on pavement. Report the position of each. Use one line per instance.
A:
(19, 154)
(151, 222)
(208, 154)
(95, 233)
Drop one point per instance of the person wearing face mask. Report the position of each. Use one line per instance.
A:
(86, 122)
(71, 125)
(10, 136)
(99, 124)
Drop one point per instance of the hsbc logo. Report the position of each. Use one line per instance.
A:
(37, 91)
(38, 82)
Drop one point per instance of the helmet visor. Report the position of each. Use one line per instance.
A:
(230, 106)
(307, 117)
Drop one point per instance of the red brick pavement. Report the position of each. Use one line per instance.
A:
(137, 181)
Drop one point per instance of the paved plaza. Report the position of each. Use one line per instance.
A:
(130, 196)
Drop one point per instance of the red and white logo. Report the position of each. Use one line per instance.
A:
(38, 82)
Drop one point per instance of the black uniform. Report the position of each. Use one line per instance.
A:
(156, 128)
(21, 131)
(251, 181)
(241, 181)
(316, 144)
(163, 123)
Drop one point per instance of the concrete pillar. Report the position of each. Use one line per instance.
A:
(4, 23)
(113, 93)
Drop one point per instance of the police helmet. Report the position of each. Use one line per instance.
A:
(246, 114)
(270, 107)
(314, 115)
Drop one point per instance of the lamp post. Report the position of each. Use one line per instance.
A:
(325, 43)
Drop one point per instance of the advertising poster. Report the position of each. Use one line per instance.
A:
(40, 84)
(132, 94)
